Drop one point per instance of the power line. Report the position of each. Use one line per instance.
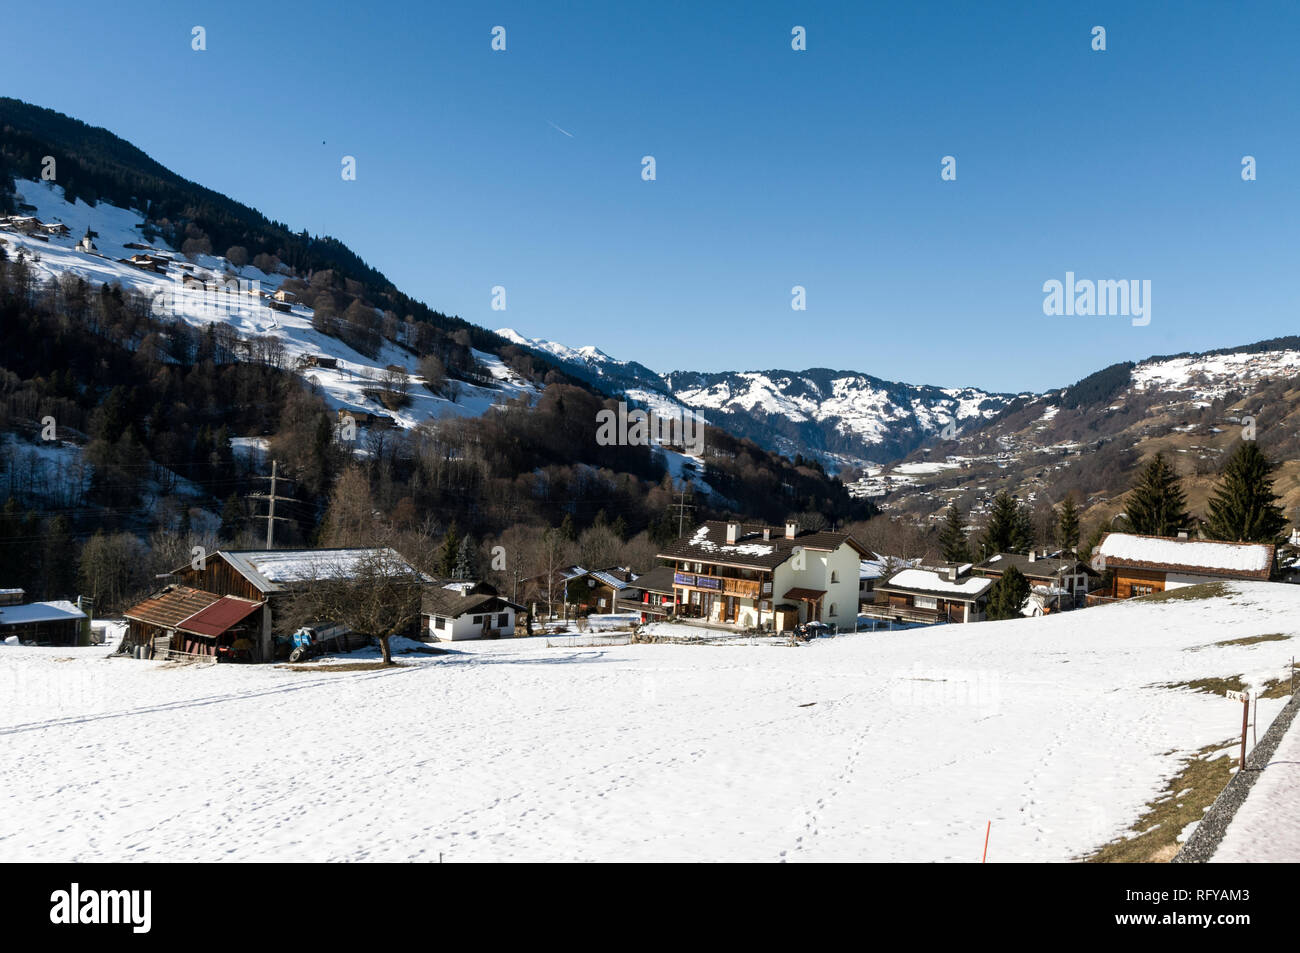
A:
(271, 497)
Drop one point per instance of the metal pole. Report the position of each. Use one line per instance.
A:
(270, 523)
(1245, 719)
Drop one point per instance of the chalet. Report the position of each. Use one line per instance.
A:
(1063, 576)
(23, 224)
(147, 263)
(183, 620)
(652, 595)
(55, 228)
(1141, 565)
(948, 594)
(452, 611)
(597, 590)
(272, 576)
(44, 623)
(12, 597)
(319, 360)
(285, 297)
(275, 305)
(363, 418)
(758, 575)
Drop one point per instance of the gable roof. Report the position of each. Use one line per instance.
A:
(1042, 567)
(929, 582)
(276, 570)
(171, 606)
(455, 602)
(225, 613)
(659, 579)
(708, 543)
(1196, 556)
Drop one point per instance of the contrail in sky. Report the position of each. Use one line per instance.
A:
(558, 129)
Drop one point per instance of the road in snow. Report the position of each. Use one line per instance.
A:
(881, 746)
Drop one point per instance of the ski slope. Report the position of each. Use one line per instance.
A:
(883, 746)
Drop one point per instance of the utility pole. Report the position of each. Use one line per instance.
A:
(271, 497)
(682, 507)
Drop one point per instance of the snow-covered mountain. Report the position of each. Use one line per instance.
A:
(838, 416)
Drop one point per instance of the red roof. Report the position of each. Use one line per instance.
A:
(218, 617)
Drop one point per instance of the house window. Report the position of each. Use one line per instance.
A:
(926, 602)
(439, 622)
(835, 577)
(478, 620)
(503, 620)
(833, 612)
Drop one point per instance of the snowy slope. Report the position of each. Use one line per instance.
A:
(248, 315)
(883, 746)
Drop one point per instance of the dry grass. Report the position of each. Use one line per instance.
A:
(1210, 686)
(1153, 836)
(1202, 590)
(1252, 639)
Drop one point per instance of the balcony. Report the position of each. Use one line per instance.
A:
(724, 585)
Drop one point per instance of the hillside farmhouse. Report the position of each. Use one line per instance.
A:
(261, 581)
(1145, 564)
(730, 573)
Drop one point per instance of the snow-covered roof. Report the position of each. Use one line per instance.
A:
(927, 580)
(271, 570)
(55, 611)
(1192, 555)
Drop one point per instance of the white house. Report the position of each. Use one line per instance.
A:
(744, 575)
(453, 611)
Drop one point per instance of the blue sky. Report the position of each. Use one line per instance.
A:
(775, 168)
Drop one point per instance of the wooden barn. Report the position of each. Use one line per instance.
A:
(269, 577)
(1142, 565)
(188, 621)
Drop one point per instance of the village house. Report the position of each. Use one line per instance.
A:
(455, 610)
(652, 595)
(597, 590)
(43, 623)
(931, 595)
(271, 577)
(363, 418)
(285, 297)
(1141, 565)
(55, 229)
(1063, 580)
(760, 576)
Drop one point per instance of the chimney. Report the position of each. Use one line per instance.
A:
(767, 534)
(1182, 534)
(791, 527)
(1033, 554)
(733, 530)
(952, 573)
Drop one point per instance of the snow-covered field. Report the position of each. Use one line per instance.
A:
(876, 746)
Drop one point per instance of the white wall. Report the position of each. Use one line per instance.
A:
(465, 627)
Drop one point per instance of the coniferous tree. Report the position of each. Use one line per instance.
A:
(466, 564)
(1244, 507)
(446, 562)
(1008, 530)
(1156, 505)
(1008, 595)
(952, 538)
(1067, 525)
